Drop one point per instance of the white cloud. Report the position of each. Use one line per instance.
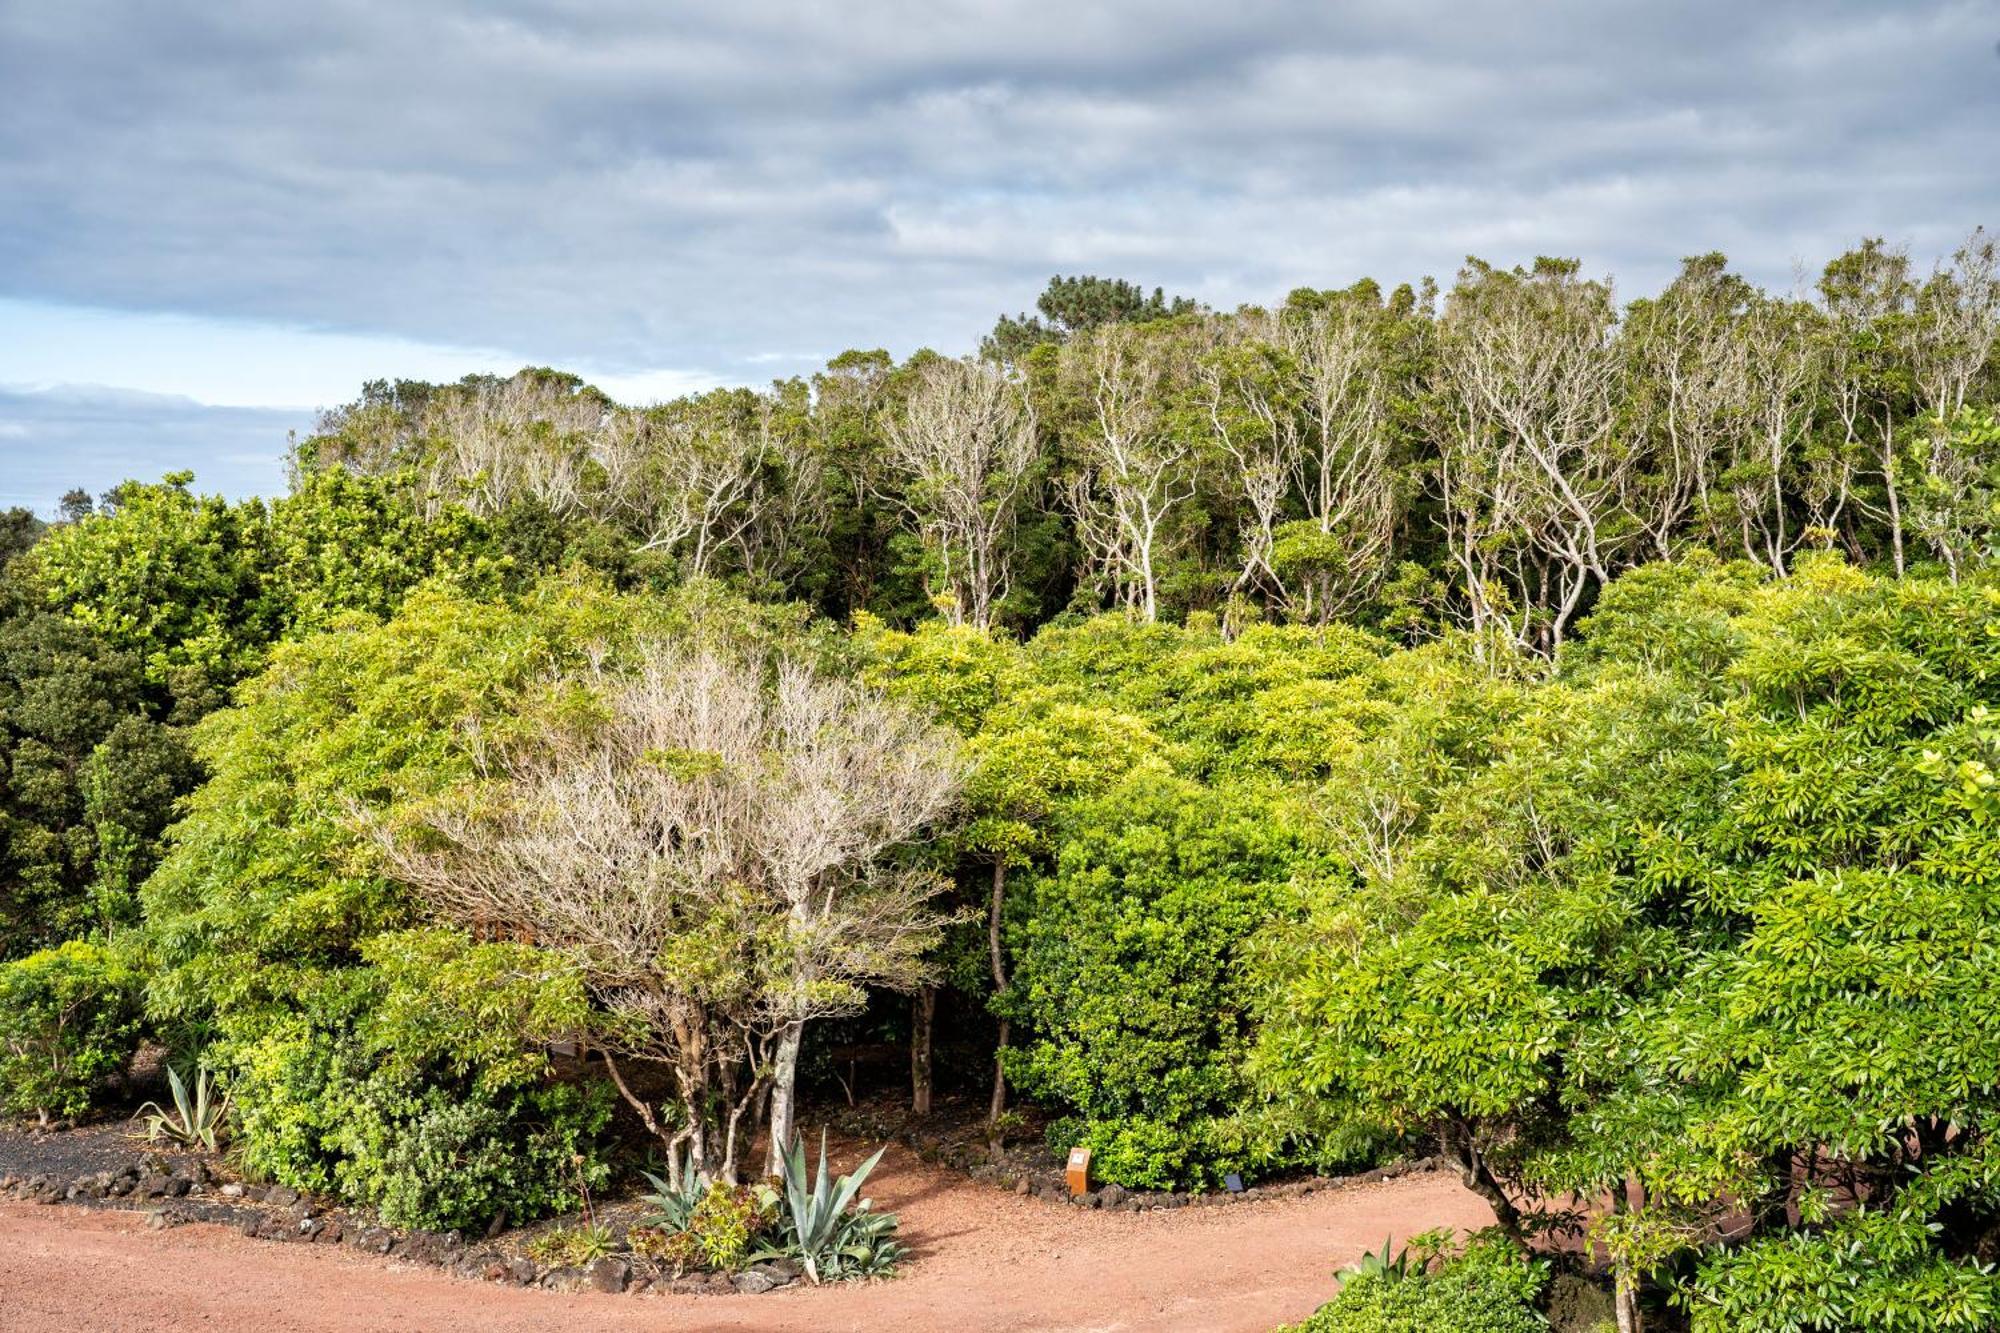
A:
(248, 363)
(65, 436)
(276, 202)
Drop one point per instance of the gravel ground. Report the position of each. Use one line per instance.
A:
(983, 1260)
(76, 1152)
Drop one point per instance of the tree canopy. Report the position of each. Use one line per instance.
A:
(1508, 723)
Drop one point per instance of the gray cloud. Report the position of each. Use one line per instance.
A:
(56, 439)
(636, 185)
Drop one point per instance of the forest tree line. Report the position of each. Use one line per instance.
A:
(1489, 456)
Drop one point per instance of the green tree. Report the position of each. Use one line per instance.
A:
(19, 530)
(1815, 1050)
(88, 778)
(1072, 305)
(1132, 974)
(275, 930)
(171, 577)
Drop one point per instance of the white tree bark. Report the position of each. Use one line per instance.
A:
(1533, 483)
(965, 448)
(1137, 471)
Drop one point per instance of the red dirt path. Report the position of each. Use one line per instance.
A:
(984, 1261)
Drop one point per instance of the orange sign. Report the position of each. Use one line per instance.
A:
(1078, 1172)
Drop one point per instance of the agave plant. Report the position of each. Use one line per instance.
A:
(828, 1239)
(195, 1121)
(674, 1205)
(866, 1246)
(1389, 1265)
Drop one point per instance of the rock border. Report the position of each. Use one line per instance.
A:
(1116, 1198)
(176, 1193)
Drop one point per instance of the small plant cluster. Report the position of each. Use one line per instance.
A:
(716, 1235)
(1491, 1285)
(571, 1246)
(816, 1220)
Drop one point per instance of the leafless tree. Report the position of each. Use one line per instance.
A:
(1781, 393)
(1866, 293)
(711, 847)
(688, 479)
(965, 448)
(1137, 470)
(489, 443)
(792, 512)
(1956, 322)
(1247, 393)
(1689, 370)
(1534, 485)
(1346, 462)
(1949, 342)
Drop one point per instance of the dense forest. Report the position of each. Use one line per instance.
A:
(1504, 722)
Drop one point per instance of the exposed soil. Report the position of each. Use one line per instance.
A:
(983, 1259)
(955, 1133)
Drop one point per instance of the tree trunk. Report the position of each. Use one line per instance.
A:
(695, 1134)
(1461, 1150)
(734, 1138)
(784, 1096)
(999, 962)
(1624, 1285)
(923, 1009)
(689, 1133)
(998, 1105)
(1626, 1300)
(1889, 486)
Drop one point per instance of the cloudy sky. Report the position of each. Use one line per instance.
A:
(215, 217)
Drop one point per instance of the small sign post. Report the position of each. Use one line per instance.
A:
(1077, 1174)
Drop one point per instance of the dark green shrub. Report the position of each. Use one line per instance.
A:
(454, 1163)
(69, 1018)
(428, 1150)
(419, 1086)
(1132, 972)
(87, 780)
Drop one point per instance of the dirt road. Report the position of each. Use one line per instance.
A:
(984, 1261)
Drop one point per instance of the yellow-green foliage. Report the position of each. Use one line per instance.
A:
(397, 1068)
(1490, 1287)
(69, 1018)
(1720, 897)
